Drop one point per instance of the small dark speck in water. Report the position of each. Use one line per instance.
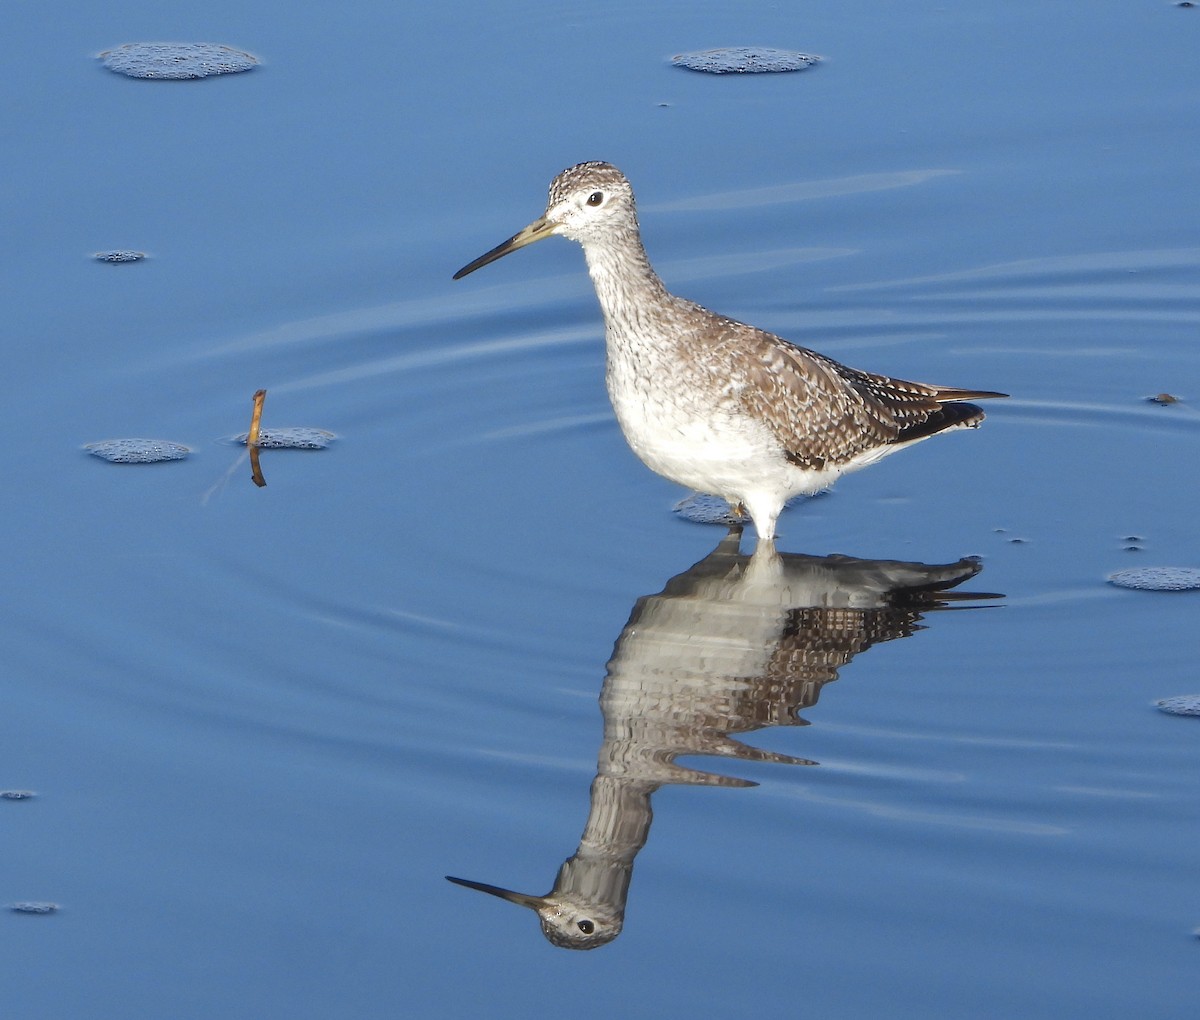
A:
(1157, 578)
(1183, 704)
(704, 509)
(299, 438)
(137, 451)
(1163, 398)
(744, 60)
(1015, 540)
(176, 60)
(34, 907)
(1187, 3)
(17, 794)
(1133, 548)
(119, 256)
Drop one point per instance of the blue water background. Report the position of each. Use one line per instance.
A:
(262, 724)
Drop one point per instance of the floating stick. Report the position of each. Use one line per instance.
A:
(252, 439)
(256, 419)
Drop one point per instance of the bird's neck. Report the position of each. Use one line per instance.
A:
(626, 285)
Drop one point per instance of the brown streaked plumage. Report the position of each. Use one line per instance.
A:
(715, 404)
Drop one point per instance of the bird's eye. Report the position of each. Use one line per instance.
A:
(595, 198)
(585, 925)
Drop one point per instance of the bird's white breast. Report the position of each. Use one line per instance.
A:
(685, 424)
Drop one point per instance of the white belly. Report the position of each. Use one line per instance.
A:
(710, 446)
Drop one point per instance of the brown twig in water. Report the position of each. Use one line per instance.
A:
(256, 419)
(252, 439)
(256, 474)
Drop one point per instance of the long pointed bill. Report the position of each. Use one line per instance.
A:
(521, 899)
(538, 229)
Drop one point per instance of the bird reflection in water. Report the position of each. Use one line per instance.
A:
(735, 644)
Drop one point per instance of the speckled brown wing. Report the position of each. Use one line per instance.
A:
(820, 414)
(825, 413)
(910, 403)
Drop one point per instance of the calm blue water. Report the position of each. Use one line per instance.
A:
(263, 724)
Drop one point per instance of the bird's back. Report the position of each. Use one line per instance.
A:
(821, 411)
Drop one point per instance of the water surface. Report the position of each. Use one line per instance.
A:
(263, 723)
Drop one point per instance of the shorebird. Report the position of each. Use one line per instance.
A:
(714, 404)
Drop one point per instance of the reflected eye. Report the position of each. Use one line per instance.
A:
(595, 198)
(586, 926)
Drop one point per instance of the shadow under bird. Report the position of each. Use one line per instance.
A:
(734, 644)
(714, 404)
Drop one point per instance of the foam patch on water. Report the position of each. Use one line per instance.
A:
(137, 451)
(704, 509)
(1183, 704)
(120, 255)
(33, 907)
(299, 438)
(1157, 578)
(176, 60)
(744, 60)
